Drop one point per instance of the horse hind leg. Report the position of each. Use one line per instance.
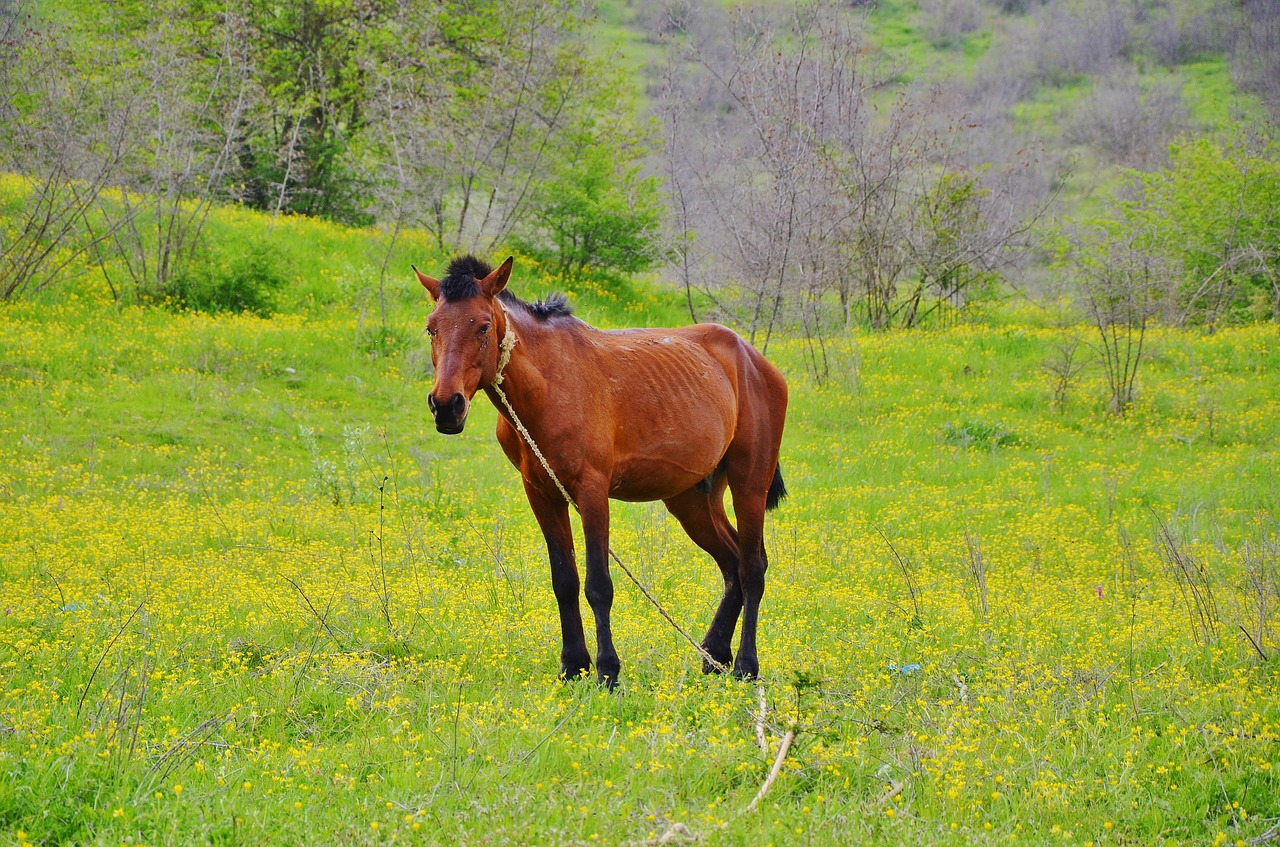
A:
(751, 489)
(700, 511)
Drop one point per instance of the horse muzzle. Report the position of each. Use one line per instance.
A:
(450, 416)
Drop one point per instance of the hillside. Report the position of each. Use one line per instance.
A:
(829, 165)
(251, 596)
(1110, 85)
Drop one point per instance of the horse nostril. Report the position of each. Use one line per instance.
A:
(431, 403)
(457, 403)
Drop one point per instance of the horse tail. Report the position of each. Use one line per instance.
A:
(777, 490)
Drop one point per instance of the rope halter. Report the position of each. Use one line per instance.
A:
(504, 350)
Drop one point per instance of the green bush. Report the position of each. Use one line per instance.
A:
(1216, 208)
(596, 213)
(247, 282)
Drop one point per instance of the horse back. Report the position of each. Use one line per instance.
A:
(679, 398)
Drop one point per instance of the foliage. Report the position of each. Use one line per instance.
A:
(1217, 210)
(307, 55)
(247, 281)
(973, 433)
(594, 213)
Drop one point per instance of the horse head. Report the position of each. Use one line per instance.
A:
(466, 328)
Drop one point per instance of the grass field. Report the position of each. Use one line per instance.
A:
(250, 596)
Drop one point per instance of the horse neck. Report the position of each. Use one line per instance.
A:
(523, 381)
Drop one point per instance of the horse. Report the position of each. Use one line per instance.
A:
(676, 415)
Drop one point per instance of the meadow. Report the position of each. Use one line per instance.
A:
(250, 596)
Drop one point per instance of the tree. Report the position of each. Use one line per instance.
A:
(189, 83)
(60, 144)
(594, 211)
(1217, 207)
(492, 121)
(816, 177)
(310, 57)
(1123, 272)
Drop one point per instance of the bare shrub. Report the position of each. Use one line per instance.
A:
(978, 572)
(946, 22)
(667, 18)
(828, 205)
(1125, 280)
(188, 100)
(54, 131)
(1261, 594)
(1064, 366)
(1005, 75)
(1131, 124)
(1257, 55)
(1079, 38)
(1175, 34)
(1192, 578)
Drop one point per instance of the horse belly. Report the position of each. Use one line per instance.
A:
(675, 414)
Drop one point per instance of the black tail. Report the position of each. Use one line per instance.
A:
(777, 490)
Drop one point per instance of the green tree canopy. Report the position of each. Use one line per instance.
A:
(1217, 208)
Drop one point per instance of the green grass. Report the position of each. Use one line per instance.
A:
(1213, 97)
(250, 596)
(614, 33)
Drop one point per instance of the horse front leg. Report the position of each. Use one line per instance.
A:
(594, 507)
(553, 518)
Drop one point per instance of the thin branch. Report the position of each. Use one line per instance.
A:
(776, 769)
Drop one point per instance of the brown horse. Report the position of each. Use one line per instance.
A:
(675, 415)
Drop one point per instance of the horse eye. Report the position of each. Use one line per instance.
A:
(484, 328)
(431, 332)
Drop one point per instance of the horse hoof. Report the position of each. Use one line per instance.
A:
(723, 663)
(570, 673)
(745, 671)
(607, 672)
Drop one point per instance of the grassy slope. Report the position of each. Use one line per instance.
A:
(250, 596)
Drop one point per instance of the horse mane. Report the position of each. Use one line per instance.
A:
(462, 280)
(554, 305)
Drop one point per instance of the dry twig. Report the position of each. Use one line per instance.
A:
(777, 767)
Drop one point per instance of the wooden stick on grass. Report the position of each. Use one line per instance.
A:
(761, 741)
(777, 766)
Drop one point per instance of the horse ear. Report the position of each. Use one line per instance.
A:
(493, 284)
(432, 285)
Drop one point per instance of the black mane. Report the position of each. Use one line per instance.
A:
(555, 305)
(462, 280)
